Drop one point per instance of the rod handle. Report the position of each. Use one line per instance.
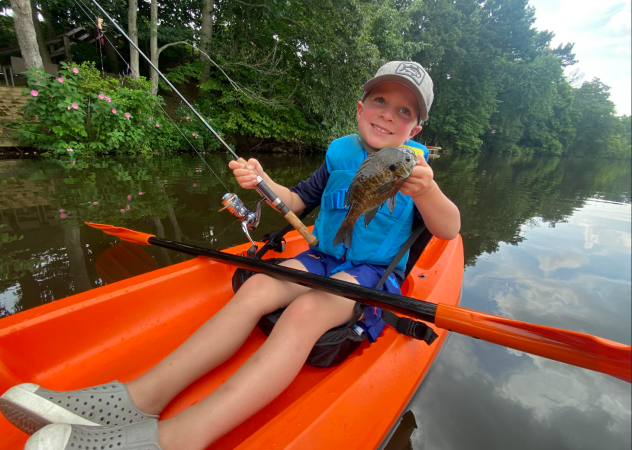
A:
(244, 163)
(302, 229)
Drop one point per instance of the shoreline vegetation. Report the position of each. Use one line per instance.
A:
(284, 77)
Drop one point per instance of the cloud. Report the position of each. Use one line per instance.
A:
(602, 37)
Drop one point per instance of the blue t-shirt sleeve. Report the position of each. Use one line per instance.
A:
(311, 190)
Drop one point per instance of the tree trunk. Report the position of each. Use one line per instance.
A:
(41, 42)
(111, 57)
(153, 45)
(207, 34)
(76, 260)
(48, 20)
(25, 31)
(132, 30)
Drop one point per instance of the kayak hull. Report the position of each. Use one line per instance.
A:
(119, 331)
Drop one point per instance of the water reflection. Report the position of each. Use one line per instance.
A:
(546, 241)
(574, 276)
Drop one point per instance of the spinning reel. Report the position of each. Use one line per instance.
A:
(248, 219)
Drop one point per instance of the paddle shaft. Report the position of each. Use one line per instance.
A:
(569, 347)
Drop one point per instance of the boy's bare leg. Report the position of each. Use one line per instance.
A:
(214, 342)
(263, 377)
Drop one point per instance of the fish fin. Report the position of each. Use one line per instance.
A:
(390, 203)
(344, 234)
(366, 161)
(369, 215)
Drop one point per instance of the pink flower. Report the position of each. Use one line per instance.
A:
(193, 134)
(129, 197)
(69, 150)
(127, 115)
(101, 96)
(122, 210)
(113, 111)
(194, 184)
(108, 99)
(95, 203)
(34, 93)
(157, 125)
(69, 108)
(60, 79)
(62, 211)
(140, 193)
(188, 118)
(75, 70)
(197, 169)
(127, 207)
(75, 106)
(62, 216)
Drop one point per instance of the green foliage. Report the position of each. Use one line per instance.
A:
(292, 72)
(81, 113)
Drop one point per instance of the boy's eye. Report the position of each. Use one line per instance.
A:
(379, 99)
(405, 111)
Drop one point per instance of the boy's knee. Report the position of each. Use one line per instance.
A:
(257, 292)
(302, 311)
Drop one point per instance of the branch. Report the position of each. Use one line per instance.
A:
(170, 44)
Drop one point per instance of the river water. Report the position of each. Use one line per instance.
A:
(546, 241)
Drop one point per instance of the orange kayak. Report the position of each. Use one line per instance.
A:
(119, 331)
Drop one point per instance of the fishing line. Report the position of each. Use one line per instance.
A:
(248, 219)
(88, 13)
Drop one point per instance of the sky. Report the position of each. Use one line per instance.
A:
(600, 31)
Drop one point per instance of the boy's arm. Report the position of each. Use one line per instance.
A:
(441, 216)
(248, 180)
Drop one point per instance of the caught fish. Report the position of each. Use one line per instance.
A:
(379, 179)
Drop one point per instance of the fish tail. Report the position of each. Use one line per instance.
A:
(344, 234)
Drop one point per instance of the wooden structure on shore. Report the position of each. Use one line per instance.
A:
(12, 101)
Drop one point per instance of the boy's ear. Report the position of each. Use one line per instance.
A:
(416, 129)
(360, 107)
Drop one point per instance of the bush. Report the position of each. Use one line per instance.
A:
(81, 113)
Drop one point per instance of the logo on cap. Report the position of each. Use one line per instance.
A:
(413, 71)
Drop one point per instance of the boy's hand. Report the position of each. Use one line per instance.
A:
(420, 179)
(247, 177)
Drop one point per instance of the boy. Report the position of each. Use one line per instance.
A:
(391, 111)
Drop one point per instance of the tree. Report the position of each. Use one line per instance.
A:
(41, 42)
(599, 131)
(132, 30)
(25, 31)
(206, 36)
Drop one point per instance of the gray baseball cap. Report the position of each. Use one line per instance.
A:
(410, 74)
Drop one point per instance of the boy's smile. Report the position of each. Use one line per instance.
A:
(388, 116)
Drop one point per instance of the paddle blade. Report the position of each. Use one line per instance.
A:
(570, 347)
(124, 260)
(136, 237)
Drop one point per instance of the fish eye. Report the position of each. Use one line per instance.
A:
(407, 158)
(392, 167)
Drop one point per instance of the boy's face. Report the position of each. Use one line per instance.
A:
(388, 116)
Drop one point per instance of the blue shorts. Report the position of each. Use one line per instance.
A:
(367, 275)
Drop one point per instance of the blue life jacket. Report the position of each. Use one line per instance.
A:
(379, 242)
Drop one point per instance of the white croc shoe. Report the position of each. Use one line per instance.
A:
(30, 407)
(136, 436)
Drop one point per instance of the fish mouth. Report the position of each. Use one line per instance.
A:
(380, 130)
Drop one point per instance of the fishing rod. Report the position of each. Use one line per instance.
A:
(249, 220)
